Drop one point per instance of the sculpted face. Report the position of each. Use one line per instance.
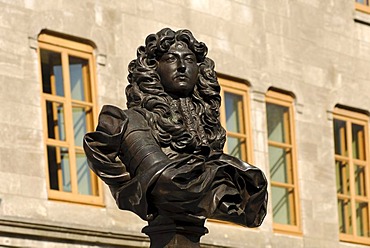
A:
(178, 70)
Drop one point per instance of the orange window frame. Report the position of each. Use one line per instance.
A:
(363, 7)
(67, 48)
(284, 100)
(347, 193)
(241, 90)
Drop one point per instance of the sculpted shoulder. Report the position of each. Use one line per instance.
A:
(135, 120)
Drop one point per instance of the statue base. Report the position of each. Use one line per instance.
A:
(164, 235)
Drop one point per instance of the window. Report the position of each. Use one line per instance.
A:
(67, 79)
(363, 5)
(282, 161)
(235, 119)
(351, 144)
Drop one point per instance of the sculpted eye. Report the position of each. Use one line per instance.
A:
(190, 59)
(170, 59)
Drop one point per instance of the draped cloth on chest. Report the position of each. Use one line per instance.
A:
(151, 180)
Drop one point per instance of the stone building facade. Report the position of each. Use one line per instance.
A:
(311, 56)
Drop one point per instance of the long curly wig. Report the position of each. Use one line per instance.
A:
(146, 93)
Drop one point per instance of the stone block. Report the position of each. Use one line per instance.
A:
(29, 163)
(18, 206)
(38, 189)
(19, 90)
(283, 241)
(13, 16)
(230, 235)
(322, 243)
(12, 185)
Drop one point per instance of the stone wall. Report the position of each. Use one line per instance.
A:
(318, 50)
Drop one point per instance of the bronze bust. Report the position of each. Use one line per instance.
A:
(163, 157)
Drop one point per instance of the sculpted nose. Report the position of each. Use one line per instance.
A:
(181, 65)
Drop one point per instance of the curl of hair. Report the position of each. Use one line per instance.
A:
(146, 93)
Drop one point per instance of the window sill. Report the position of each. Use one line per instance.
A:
(287, 229)
(362, 15)
(353, 239)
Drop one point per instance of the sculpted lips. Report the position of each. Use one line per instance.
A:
(180, 76)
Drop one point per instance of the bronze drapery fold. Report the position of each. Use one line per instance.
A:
(187, 188)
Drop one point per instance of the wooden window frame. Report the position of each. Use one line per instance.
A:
(84, 51)
(241, 89)
(351, 117)
(363, 7)
(280, 99)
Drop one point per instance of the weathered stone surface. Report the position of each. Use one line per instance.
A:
(311, 48)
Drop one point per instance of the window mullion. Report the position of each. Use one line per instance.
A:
(247, 127)
(279, 144)
(69, 121)
(367, 175)
(85, 77)
(291, 140)
(283, 185)
(237, 135)
(351, 177)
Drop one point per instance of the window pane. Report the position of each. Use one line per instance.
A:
(282, 204)
(362, 219)
(280, 168)
(340, 138)
(342, 174)
(360, 181)
(59, 168)
(234, 113)
(80, 121)
(78, 71)
(361, 1)
(278, 123)
(55, 120)
(85, 185)
(358, 140)
(52, 74)
(344, 211)
(236, 147)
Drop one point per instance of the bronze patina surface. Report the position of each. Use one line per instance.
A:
(163, 157)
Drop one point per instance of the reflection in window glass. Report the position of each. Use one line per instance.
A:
(235, 147)
(345, 213)
(340, 136)
(234, 110)
(277, 123)
(281, 205)
(278, 164)
(55, 120)
(52, 74)
(362, 219)
(59, 168)
(83, 175)
(342, 172)
(360, 180)
(79, 124)
(358, 142)
(78, 71)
